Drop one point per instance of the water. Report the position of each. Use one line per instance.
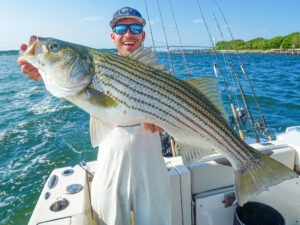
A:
(32, 121)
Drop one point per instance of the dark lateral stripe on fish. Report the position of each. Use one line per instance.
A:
(173, 89)
(203, 114)
(174, 84)
(218, 127)
(141, 110)
(141, 69)
(155, 98)
(210, 112)
(165, 104)
(137, 100)
(180, 96)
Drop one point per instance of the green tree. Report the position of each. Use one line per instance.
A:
(221, 45)
(290, 40)
(237, 43)
(258, 43)
(275, 42)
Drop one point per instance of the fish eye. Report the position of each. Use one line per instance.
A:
(52, 46)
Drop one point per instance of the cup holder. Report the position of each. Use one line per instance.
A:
(59, 205)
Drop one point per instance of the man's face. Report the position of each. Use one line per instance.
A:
(128, 42)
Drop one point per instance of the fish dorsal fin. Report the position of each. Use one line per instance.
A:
(146, 56)
(210, 88)
(98, 130)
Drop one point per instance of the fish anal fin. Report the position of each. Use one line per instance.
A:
(191, 154)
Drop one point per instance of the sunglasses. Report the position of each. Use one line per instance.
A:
(122, 28)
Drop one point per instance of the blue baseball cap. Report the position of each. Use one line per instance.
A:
(124, 13)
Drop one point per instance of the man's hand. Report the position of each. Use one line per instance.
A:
(152, 128)
(27, 68)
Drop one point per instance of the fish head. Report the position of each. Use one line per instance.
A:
(66, 68)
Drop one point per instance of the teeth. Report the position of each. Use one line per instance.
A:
(128, 43)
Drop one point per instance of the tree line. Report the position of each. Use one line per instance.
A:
(286, 42)
(9, 52)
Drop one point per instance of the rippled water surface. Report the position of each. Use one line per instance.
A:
(32, 122)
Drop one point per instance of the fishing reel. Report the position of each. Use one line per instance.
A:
(260, 127)
(242, 116)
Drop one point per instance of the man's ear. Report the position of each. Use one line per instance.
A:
(144, 35)
(112, 36)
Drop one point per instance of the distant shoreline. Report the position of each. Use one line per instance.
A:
(9, 52)
(195, 51)
(269, 51)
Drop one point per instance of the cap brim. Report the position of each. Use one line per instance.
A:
(113, 22)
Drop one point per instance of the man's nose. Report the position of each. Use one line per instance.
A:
(128, 32)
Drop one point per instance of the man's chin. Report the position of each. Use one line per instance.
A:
(129, 48)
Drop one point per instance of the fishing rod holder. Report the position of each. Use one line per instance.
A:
(242, 116)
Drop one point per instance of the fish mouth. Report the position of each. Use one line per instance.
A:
(34, 47)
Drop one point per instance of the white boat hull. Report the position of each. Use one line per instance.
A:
(201, 195)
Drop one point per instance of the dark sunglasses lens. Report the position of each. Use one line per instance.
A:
(136, 28)
(120, 29)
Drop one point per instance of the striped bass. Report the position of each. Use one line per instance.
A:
(117, 90)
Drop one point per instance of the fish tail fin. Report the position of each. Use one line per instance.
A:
(269, 173)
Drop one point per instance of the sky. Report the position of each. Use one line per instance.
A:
(86, 22)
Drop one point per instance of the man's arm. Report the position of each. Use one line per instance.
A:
(27, 68)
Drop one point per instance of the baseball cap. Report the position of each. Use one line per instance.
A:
(124, 13)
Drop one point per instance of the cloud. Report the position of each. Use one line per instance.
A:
(154, 21)
(198, 21)
(91, 18)
(225, 26)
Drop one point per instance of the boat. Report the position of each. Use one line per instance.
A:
(201, 195)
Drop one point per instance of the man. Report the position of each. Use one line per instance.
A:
(131, 173)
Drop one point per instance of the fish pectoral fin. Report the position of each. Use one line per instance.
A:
(209, 86)
(250, 183)
(146, 56)
(191, 154)
(99, 98)
(98, 130)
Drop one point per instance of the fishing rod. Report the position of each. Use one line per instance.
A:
(167, 44)
(221, 71)
(172, 142)
(78, 163)
(150, 26)
(245, 73)
(66, 153)
(182, 52)
(239, 84)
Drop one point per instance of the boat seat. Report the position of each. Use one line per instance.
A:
(216, 172)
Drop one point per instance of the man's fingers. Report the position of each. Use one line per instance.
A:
(35, 77)
(27, 68)
(158, 129)
(21, 61)
(152, 128)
